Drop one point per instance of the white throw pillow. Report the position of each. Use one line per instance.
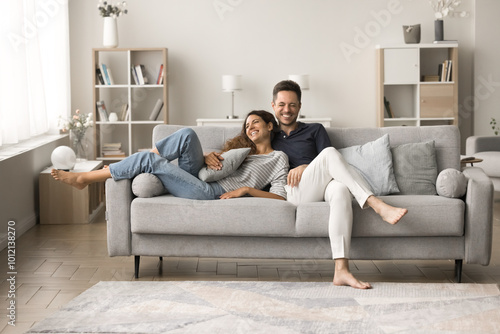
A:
(232, 160)
(373, 161)
(451, 183)
(147, 185)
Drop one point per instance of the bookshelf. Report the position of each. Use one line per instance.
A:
(411, 78)
(131, 100)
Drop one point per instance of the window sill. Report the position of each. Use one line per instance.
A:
(11, 150)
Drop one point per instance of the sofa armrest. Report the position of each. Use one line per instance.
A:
(118, 201)
(477, 144)
(478, 216)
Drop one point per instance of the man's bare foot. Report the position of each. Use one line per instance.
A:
(73, 179)
(388, 213)
(343, 277)
(346, 278)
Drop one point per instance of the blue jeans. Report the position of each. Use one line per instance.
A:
(180, 180)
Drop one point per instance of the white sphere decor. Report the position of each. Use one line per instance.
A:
(63, 157)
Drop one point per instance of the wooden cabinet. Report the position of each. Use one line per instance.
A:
(131, 101)
(63, 204)
(409, 90)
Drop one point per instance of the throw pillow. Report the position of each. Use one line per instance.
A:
(451, 183)
(415, 168)
(232, 160)
(147, 185)
(373, 161)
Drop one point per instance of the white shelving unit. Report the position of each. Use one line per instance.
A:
(133, 132)
(415, 102)
(239, 121)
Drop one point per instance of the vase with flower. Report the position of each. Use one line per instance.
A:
(77, 126)
(111, 13)
(443, 8)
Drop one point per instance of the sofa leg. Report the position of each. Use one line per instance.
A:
(137, 261)
(458, 271)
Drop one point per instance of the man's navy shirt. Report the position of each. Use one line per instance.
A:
(303, 144)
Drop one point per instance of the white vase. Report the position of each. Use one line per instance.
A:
(110, 33)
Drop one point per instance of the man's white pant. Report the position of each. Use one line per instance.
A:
(329, 177)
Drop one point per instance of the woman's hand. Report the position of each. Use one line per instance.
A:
(295, 175)
(213, 160)
(236, 193)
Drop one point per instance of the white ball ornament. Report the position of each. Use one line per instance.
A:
(63, 157)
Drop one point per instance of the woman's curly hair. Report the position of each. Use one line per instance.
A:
(242, 140)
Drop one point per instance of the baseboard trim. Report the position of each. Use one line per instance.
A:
(21, 227)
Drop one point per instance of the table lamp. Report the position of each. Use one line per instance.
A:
(231, 83)
(303, 81)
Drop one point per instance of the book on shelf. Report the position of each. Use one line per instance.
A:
(112, 150)
(134, 75)
(430, 78)
(104, 71)
(100, 79)
(123, 114)
(110, 76)
(140, 71)
(445, 70)
(156, 110)
(388, 108)
(159, 81)
(101, 109)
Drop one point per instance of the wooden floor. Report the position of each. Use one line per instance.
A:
(57, 263)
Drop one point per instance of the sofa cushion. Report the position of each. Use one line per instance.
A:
(232, 217)
(451, 183)
(490, 163)
(232, 160)
(427, 216)
(147, 185)
(373, 161)
(415, 168)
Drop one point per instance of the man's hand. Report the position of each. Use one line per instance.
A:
(295, 175)
(240, 192)
(213, 160)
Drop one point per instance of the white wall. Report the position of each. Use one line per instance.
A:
(486, 96)
(265, 41)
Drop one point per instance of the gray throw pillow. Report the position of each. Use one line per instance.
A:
(373, 161)
(451, 183)
(415, 168)
(147, 185)
(232, 160)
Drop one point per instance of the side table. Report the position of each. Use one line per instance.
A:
(63, 204)
(470, 160)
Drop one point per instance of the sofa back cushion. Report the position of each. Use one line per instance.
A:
(446, 138)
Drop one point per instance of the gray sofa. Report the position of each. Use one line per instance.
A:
(435, 227)
(488, 149)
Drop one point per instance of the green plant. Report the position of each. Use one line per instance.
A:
(494, 126)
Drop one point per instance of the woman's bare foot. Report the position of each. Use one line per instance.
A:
(73, 179)
(389, 214)
(343, 277)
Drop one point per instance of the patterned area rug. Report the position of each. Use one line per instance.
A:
(278, 307)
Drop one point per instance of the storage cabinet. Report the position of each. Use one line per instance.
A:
(412, 86)
(131, 97)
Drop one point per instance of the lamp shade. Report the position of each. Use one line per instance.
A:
(301, 79)
(230, 83)
(63, 157)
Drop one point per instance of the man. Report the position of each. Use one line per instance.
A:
(318, 172)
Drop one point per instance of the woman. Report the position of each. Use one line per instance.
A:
(263, 165)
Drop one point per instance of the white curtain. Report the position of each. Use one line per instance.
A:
(34, 68)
